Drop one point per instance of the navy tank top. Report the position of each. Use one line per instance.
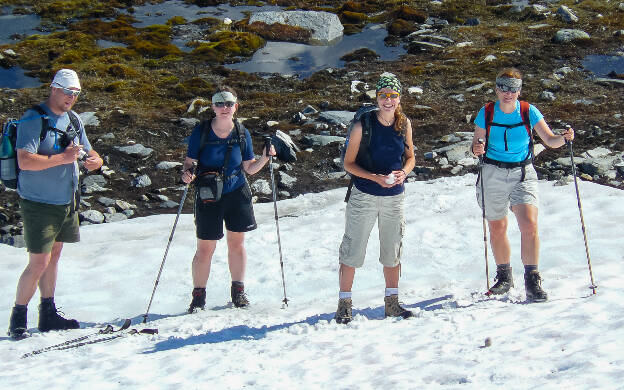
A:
(386, 149)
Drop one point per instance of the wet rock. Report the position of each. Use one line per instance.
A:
(325, 26)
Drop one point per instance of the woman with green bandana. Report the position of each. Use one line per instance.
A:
(503, 138)
(377, 196)
(222, 148)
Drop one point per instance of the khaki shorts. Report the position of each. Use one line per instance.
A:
(45, 224)
(362, 212)
(503, 189)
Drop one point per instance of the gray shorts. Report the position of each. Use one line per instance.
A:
(362, 212)
(503, 189)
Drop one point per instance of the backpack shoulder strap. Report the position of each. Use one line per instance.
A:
(75, 122)
(367, 128)
(524, 112)
(44, 122)
(489, 118)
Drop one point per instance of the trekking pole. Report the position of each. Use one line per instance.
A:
(487, 270)
(162, 264)
(267, 145)
(580, 207)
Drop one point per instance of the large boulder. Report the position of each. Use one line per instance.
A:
(324, 26)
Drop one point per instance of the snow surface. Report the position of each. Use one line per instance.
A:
(573, 341)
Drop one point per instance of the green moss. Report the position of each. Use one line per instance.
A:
(61, 11)
(408, 13)
(121, 71)
(225, 44)
(176, 21)
(401, 27)
(350, 29)
(279, 32)
(115, 86)
(353, 17)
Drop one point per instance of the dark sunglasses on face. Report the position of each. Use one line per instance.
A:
(387, 95)
(224, 104)
(506, 88)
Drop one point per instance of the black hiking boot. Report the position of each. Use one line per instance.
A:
(199, 300)
(504, 281)
(533, 286)
(17, 323)
(49, 319)
(343, 314)
(394, 309)
(239, 299)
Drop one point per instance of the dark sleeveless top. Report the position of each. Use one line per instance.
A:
(386, 149)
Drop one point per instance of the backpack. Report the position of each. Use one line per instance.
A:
(364, 114)
(9, 167)
(524, 111)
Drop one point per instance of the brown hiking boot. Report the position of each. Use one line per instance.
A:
(343, 314)
(394, 309)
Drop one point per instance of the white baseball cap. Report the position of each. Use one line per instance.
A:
(66, 78)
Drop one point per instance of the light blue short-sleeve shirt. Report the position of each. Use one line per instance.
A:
(55, 185)
(515, 139)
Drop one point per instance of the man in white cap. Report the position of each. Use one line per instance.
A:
(51, 139)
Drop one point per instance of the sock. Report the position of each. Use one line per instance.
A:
(392, 291)
(529, 268)
(502, 267)
(344, 294)
(199, 289)
(47, 301)
(238, 284)
(20, 307)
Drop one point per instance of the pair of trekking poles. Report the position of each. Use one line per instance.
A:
(580, 207)
(267, 147)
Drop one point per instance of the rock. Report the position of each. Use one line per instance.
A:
(106, 201)
(89, 119)
(309, 110)
(92, 216)
(285, 180)
(262, 186)
(169, 204)
(167, 165)
(321, 140)
(436, 22)
(567, 15)
(568, 35)
(122, 205)
(108, 136)
(128, 213)
(136, 150)
(472, 22)
(608, 81)
(597, 152)
(413, 90)
(198, 105)
(477, 87)
(189, 122)
(450, 138)
(489, 58)
(141, 181)
(94, 179)
(547, 96)
(456, 152)
(430, 155)
(337, 117)
(116, 217)
(458, 98)
(324, 26)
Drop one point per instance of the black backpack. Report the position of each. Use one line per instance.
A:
(238, 138)
(9, 167)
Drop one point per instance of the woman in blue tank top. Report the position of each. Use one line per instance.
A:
(378, 196)
(507, 178)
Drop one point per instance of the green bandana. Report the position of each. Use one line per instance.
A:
(388, 81)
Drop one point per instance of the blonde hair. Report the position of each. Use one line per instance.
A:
(400, 120)
(510, 72)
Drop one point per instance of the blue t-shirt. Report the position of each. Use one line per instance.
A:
(213, 156)
(55, 185)
(517, 137)
(386, 150)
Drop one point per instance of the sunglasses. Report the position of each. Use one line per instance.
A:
(387, 95)
(506, 88)
(224, 104)
(67, 91)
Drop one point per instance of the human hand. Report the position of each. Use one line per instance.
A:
(92, 163)
(71, 153)
(568, 134)
(399, 176)
(478, 148)
(187, 176)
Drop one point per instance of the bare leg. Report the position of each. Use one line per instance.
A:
(27, 285)
(526, 215)
(47, 282)
(499, 241)
(201, 262)
(237, 255)
(345, 276)
(391, 274)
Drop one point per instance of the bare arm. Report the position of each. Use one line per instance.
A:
(187, 175)
(37, 162)
(551, 139)
(478, 148)
(252, 166)
(93, 161)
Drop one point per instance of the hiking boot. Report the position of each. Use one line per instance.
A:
(533, 286)
(49, 319)
(199, 300)
(394, 309)
(239, 299)
(343, 314)
(504, 281)
(17, 324)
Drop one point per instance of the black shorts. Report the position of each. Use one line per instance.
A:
(234, 208)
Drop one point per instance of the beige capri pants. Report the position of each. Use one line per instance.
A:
(362, 211)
